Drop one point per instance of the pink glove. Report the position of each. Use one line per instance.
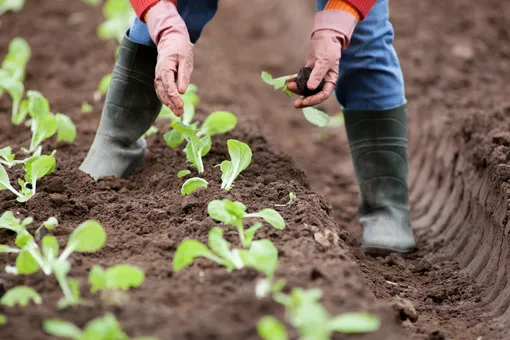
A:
(331, 35)
(175, 54)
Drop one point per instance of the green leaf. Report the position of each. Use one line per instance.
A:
(43, 127)
(105, 328)
(277, 83)
(50, 248)
(240, 155)
(25, 263)
(40, 167)
(23, 238)
(354, 323)
(188, 251)
(249, 234)
(97, 279)
(21, 296)
(15, 89)
(205, 145)
(269, 328)
(38, 105)
(62, 329)
(3, 319)
(219, 122)
(222, 248)
(124, 277)
(336, 121)
(226, 211)
(6, 249)
(166, 113)
(193, 184)
(104, 84)
(19, 50)
(183, 173)
(6, 154)
(4, 180)
(88, 237)
(61, 267)
(271, 216)
(74, 298)
(263, 256)
(316, 117)
(66, 128)
(50, 223)
(173, 138)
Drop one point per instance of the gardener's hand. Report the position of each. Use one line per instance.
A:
(175, 54)
(331, 35)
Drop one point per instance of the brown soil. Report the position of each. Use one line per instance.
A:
(456, 59)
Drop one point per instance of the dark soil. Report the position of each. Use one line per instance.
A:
(302, 82)
(456, 59)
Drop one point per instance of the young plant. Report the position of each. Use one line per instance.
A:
(292, 197)
(45, 124)
(193, 184)
(118, 277)
(3, 319)
(233, 213)
(313, 115)
(240, 158)
(36, 167)
(20, 296)
(199, 139)
(102, 328)
(119, 16)
(304, 312)
(87, 237)
(11, 5)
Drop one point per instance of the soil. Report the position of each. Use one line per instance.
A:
(456, 61)
(302, 80)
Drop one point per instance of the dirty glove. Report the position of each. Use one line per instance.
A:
(175, 54)
(331, 35)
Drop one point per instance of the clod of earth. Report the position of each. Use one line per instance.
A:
(302, 80)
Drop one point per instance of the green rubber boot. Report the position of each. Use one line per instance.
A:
(130, 108)
(378, 142)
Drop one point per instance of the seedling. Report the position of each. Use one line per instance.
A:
(3, 319)
(11, 5)
(119, 16)
(36, 167)
(20, 296)
(240, 158)
(292, 197)
(313, 115)
(103, 328)
(87, 237)
(233, 213)
(86, 107)
(183, 173)
(199, 139)
(119, 277)
(193, 184)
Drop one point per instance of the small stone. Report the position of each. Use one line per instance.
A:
(405, 308)
(436, 335)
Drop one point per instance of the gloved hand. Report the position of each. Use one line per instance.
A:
(331, 35)
(175, 54)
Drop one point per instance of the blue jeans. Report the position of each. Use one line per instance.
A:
(195, 13)
(370, 77)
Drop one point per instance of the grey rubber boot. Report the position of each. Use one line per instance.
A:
(130, 108)
(378, 142)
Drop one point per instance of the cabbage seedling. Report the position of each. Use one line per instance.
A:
(3, 319)
(292, 197)
(102, 328)
(199, 139)
(193, 184)
(11, 5)
(87, 237)
(36, 167)
(119, 16)
(240, 158)
(119, 277)
(181, 174)
(316, 117)
(304, 312)
(233, 213)
(21, 296)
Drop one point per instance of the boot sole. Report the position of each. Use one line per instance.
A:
(379, 251)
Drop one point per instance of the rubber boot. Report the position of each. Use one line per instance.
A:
(378, 143)
(130, 108)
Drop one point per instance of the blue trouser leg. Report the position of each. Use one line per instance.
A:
(195, 13)
(370, 77)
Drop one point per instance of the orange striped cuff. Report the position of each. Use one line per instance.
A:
(341, 5)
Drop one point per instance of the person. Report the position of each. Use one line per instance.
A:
(351, 49)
